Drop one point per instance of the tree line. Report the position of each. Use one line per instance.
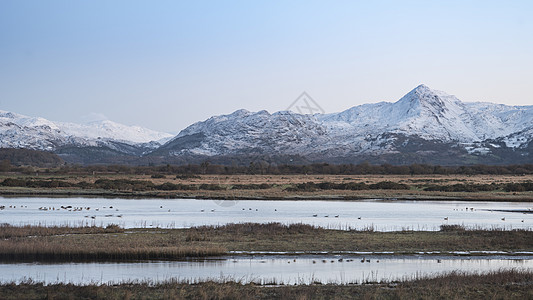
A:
(309, 169)
(266, 169)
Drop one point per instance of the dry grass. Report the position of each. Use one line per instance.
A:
(44, 251)
(369, 179)
(171, 244)
(93, 244)
(511, 284)
(292, 179)
(8, 231)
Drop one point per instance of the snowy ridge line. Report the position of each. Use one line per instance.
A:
(20, 131)
(421, 115)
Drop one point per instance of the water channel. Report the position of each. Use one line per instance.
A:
(379, 215)
(340, 269)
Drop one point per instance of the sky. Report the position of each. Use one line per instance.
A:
(167, 64)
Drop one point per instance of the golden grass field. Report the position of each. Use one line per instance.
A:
(280, 183)
(291, 179)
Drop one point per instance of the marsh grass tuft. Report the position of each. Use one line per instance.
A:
(452, 228)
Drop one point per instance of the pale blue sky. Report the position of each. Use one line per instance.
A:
(167, 64)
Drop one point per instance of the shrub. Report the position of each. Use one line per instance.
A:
(388, 185)
(452, 227)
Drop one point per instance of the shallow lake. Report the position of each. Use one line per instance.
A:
(181, 213)
(263, 269)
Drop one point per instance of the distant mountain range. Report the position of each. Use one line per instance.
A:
(424, 126)
(101, 141)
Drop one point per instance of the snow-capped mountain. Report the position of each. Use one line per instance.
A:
(424, 122)
(424, 126)
(242, 131)
(19, 131)
(115, 131)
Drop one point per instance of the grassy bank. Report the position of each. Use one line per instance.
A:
(496, 285)
(23, 244)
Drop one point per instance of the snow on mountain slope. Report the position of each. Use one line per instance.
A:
(519, 139)
(19, 131)
(422, 113)
(114, 131)
(500, 120)
(283, 132)
(432, 114)
(25, 121)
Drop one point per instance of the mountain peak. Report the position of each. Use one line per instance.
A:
(422, 87)
(424, 96)
(423, 91)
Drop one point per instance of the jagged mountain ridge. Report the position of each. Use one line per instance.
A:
(424, 121)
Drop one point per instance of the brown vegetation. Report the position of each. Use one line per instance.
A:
(512, 284)
(172, 244)
(347, 187)
(34, 243)
(8, 231)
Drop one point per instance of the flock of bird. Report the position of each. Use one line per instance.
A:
(471, 209)
(363, 260)
(251, 209)
(327, 216)
(71, 208)
(67, 208)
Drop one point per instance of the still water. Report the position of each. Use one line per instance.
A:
(182, 213)
(263, 269)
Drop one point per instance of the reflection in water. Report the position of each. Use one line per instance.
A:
(264, 269)
(181, 213)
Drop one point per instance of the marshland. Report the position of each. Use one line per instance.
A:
(177, 235)
(270, 254)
